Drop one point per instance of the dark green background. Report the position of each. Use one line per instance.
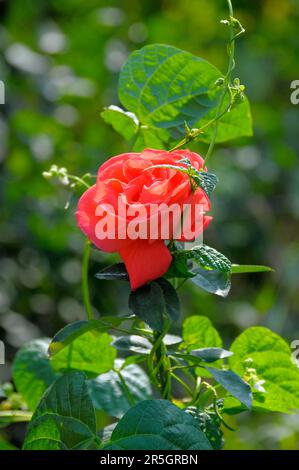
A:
(60, 62)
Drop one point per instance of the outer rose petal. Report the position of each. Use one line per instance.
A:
(145, 261)
(87, 221)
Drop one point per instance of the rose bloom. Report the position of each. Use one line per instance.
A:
(130, 179)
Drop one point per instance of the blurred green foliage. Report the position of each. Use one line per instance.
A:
(60, 63)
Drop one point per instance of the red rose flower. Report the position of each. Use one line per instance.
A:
(133, 180)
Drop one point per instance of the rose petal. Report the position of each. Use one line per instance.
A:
(145, 262)
(87, 222)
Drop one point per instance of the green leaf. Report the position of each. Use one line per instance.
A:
(208, 257)
(172, 301)
(157, 425)
(69, 333)
(210, 354)
(149, 137)
(214, 281)
(249, 268)
(206, 181)
(91, 353)
(235, 124)
(147, 303)
(178, 269)
(233, 383)
(198, 332)
(166, 87)
(108, 393)
(115, 272)
(133, 343)
(32, 372)
(170, 340)
(126, 124)
(266, 352)
(64, 418)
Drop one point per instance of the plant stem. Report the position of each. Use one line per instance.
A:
(127, 391)
(227, 78)
(215, 131)
(226, 89)
(16, 416)
(159, 363)
(85, 288)
(79, 180)
(183, 384)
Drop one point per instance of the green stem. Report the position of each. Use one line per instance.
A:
(15, 416)
(79, 180)
(226, 82)
(197, 132)
(126, 389)
(215, 131)
(184, 369)
(183, 384)
(159, 363)
(227, 78)
(85, 288)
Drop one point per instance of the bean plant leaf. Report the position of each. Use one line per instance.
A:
(108, 393)
(210, 354)
(91, 353)
(32, 372)
(198, 356)
(170, 340)
(125, 123)
(133, 343)
(64, 418)
(269, 355)
(233, 125)
(234, 384)
(166, 87)
(157, 425)
(198, 332)
(69, 333)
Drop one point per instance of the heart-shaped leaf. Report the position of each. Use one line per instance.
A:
(157, 425)
(32, 372)
(64, 418)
